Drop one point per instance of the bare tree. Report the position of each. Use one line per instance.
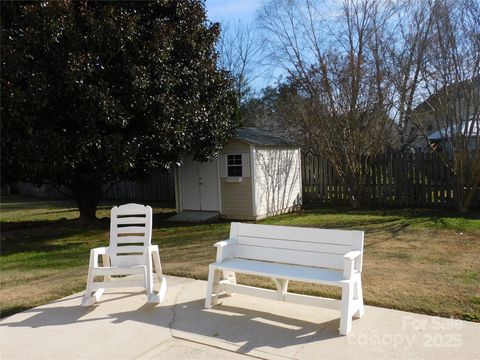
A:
(336, 64)
(407, 44)
(451, 78)
(269, 110)
(240, 50)
(356, 68)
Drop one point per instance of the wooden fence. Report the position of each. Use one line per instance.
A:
(406, 180)
(409, 180)
(160, 187)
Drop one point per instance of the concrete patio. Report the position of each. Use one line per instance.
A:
(123, 326)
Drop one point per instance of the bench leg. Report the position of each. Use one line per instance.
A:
(212, 288)
(358, 295)
(231, 278)
(282, 286)
(346, 309)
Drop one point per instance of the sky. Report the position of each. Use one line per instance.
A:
(245, 11)
(232, 10)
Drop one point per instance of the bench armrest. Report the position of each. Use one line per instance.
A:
(350, 263)
(352, 255)
(224, 243)
(225, 249)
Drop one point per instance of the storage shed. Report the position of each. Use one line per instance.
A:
(255, 176)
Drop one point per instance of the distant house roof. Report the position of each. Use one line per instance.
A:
(262, 137)
(473, 124)
(429, 104)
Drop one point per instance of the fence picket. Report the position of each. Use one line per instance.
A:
(394, 179)
(160, 187)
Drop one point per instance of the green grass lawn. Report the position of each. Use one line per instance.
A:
(422, 261)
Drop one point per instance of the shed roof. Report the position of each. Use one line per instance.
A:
(257, 136)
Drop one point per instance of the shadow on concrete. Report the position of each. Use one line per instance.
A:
(247, 328)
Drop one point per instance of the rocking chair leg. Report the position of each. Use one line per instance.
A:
(149, 277)
(88, 299)
(160, 296)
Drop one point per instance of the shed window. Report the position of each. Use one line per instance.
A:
(234, 165)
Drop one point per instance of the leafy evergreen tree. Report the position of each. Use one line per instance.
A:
(98, 91)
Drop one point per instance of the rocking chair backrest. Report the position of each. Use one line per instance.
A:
(130, 234)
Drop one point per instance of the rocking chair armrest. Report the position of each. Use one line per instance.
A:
(95, 253)
(153, 248)
(225, 249)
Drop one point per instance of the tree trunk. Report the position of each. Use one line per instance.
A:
(464, 204)
(355, 202)
(462, 196)
(87, 197)
(355, 191)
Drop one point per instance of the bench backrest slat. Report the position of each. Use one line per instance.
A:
(295, 245)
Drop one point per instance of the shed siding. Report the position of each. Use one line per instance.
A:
(278, 180)
(236, 197)
(235, 147)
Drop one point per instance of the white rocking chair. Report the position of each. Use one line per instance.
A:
(130, 252)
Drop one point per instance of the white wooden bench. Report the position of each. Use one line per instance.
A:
(283, 253)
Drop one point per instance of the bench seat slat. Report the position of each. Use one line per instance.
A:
(283, 271)
(338, 249)
(342, 237)
(287, 256)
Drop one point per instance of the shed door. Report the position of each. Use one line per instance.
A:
(199, 185)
